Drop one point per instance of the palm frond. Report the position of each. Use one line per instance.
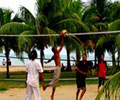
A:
(42, 19)
(50, 39)
(14, 28)
(111, 88)
(72, 25)
(51, 8)
(27, 16)
(73, 44)
(94, 28)
(7, 15)
(17, 18)
(25, 43)
(115, 25)
(117, 41)
(102, 26)
(1, 17)
(90, 15)
(101, 42)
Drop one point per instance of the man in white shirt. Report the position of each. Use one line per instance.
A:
(33, 70)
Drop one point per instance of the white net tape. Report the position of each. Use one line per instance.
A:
(69, 34)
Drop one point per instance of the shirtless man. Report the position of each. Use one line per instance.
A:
(57, 71)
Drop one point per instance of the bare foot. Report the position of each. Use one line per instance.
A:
(52, 98)
(45, 87)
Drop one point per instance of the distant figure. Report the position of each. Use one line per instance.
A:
(63, 67)
(102, 69)
(9, 62)
(3, 62)
(57, 71)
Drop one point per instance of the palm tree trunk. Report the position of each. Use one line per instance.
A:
(118, 58)
(78, 56)
(95, 58)
(113, 59)
(42, 56)
(7, 51)
(68, 60)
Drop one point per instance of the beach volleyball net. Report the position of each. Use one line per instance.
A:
(113, 33)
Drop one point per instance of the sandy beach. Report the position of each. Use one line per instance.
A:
(62, 93)
(66, 92)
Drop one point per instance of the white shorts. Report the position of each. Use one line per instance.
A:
(57, 73)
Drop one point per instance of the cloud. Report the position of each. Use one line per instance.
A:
(15, 4)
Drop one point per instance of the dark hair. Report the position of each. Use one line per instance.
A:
(33, 55)
(84, 54)
(102, 54)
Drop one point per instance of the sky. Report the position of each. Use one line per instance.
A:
(15, 4)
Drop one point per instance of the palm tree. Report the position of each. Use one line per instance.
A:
(10, 43)
(111, 87)
(53, 20)
(96, 16)
(9, 25)
(114, 9)
(72, 22)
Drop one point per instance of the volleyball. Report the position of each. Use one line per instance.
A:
(64, 32)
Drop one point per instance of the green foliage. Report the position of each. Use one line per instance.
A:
(74, 45)
(17, 18)
(27, 16)
(90, 15)
(111, 88)
(7, 16)
(50, 39)
(118, 42)
(114, 11)
(13, 28)
(3, 89)
(25, 43)
(115, 25)
(1, 17)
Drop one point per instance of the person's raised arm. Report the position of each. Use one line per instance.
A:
(61, 46)
(50, 60)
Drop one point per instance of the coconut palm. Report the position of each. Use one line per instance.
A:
(72, 22)
(10, 43)
(110, 90)
(96, 16)
(9, 25)
(114, 9)
(53, 21)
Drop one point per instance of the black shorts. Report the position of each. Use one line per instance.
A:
(101, 81)
(81, 83)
